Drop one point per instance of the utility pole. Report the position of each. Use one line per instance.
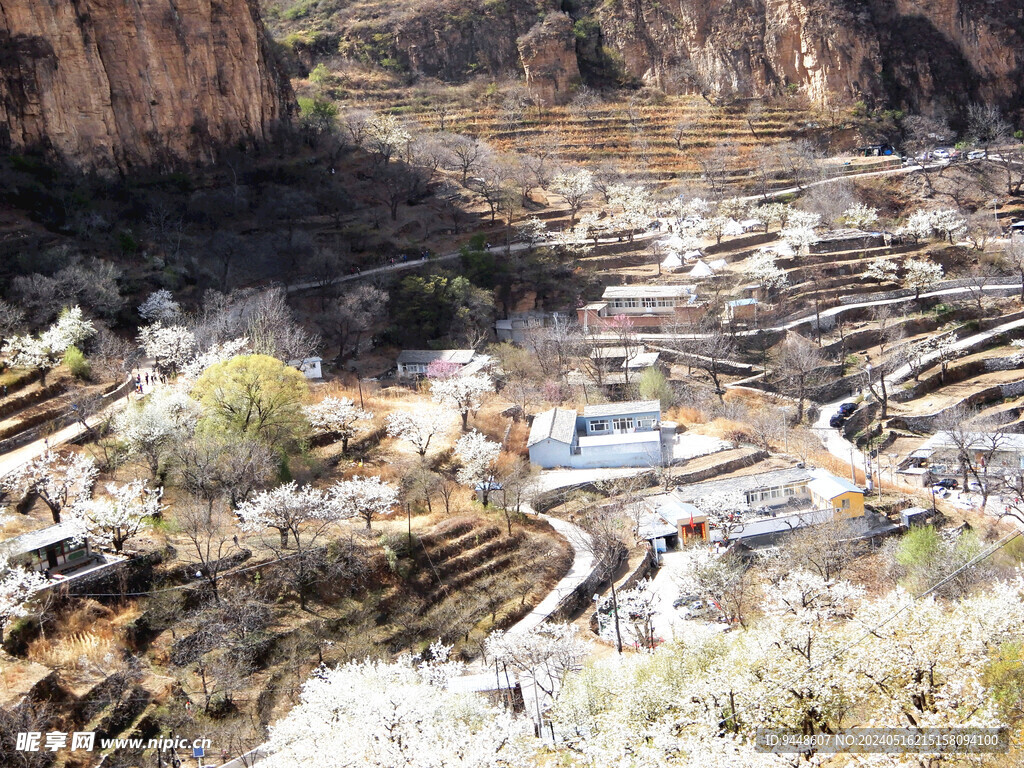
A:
(615, 610)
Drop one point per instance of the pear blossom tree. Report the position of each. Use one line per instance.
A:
(17, 585)
(170, 346)
(635, 206)
(479, 457)
(217, 352)
(860, 216)
(462, 393)
(761, 268)
(949, 224)
(398, 714)
(543, 655)
(532, 231)
(365, 497)
(45, 351)
(882, 270)
(419, 427)
(575, 187)
(337, 416)
(118, 517)
(799, 229)
(637, 607)
(160, 307)
(302, 513)
(920, 274)
(151, 428)
(58, 480)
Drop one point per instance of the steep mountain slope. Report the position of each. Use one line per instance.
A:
(108, 85)
(912, 53)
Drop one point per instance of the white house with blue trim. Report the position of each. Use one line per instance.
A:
(607, 435)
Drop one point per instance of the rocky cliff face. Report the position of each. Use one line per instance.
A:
(112, 85)
(916, 53)
(913, 53)
(548, 53)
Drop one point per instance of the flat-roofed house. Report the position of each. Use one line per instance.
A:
(645, 306)
(606, 435)
(57, 548)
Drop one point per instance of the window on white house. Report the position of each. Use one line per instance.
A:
(650, 303)
(622, 423)
(645, 424)
(599, 425)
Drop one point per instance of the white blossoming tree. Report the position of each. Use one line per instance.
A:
(948, 224)
(920, 274)
(398, 714)
(761, 268)
(419, 427)
(45, 351)
(300, 515)
(462, 393)
(532, 231)
(17, 585)
(799, 230)
(150, 428)
(365, 497)
(882, 270)
(160, 307)
(860, 216)
(575, 187)
(118, 517)
(170, 346)
(479, 457)
(541, 656)
(215, 353)
(338, 416)
(58, 480)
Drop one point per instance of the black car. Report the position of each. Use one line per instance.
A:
(847, 408)
(837, 420)
(947, 482)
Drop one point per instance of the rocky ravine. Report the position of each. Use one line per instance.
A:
(110, 85)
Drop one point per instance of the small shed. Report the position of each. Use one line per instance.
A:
(311, 367)
(54, 549)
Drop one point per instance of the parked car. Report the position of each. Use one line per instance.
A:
(847, 408)
(837, 421)
(976, 154)
(948, 482)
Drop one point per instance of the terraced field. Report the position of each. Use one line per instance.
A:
(659, 143)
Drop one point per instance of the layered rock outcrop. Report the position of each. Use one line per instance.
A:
(114, 85)
(919, 54)
(548, 53)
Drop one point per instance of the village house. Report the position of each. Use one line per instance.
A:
(50, 550)
(620, 365)
(993, 454)
(310, 367)
(416, 363)
(518, 326)
(644, 306)
(606, 435)
(775, 502)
